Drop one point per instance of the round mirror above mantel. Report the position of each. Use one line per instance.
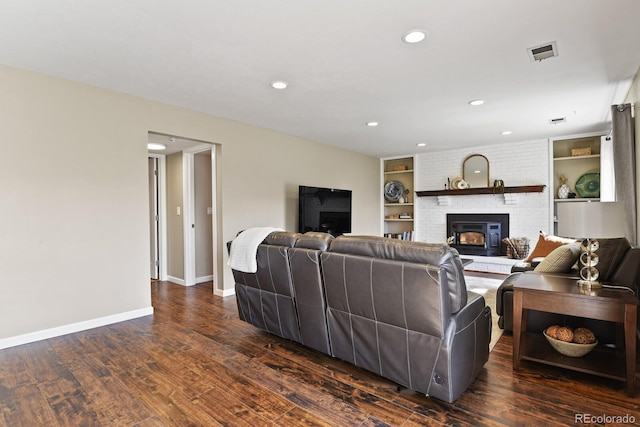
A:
(475, 171)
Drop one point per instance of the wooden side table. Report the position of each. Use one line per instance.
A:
(562, 295)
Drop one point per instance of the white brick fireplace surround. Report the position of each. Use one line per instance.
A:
(521, 163)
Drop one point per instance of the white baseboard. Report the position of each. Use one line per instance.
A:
(225, 293)
(176, 280)
(204, 279)
(181, 282)
(73, 327)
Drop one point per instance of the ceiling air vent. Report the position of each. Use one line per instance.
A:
(544, 51)
(558, 120)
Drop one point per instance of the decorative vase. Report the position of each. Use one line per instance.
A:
(401, 199)
(563, 191)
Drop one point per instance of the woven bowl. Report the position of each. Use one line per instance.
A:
(570, 349)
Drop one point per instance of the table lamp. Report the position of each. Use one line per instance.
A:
(590, 221)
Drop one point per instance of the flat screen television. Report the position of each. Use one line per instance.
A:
(324, 209)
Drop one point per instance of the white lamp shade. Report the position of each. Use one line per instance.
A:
(590, 219)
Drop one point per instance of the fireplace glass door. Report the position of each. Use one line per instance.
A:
(473, 238)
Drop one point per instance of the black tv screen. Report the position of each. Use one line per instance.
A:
(324, 209)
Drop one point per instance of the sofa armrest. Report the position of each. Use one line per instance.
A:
(526, 266)
(506, 286)
(468, 314)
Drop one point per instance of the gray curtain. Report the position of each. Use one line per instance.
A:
(624, 163)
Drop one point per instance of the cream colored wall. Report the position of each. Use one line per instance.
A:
(633, 97)
(74, 239)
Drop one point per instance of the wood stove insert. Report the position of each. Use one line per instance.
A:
(478, 234)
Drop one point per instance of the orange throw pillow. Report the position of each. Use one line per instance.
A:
(546, 244)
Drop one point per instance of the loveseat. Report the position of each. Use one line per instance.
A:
(399, 309)
(619, 265)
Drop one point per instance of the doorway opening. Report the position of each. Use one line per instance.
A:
(183, 192)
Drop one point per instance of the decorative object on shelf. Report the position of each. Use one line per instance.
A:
(580, 220)
(565, 338)
(393, 190)
(475, 171)
(404, 198)
(563, 191)
(575, 152)
(588, 185)
(400, 168)
(459, 184)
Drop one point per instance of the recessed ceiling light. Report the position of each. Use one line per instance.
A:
(422, 144)
(506, 132)
(414, 36)
(476, 102)
(372, 124)
(279, 84)
(156, 146)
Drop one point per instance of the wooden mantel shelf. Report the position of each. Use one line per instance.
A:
(486, 190)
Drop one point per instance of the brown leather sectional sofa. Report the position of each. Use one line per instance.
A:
(622, 269)
(399, 309)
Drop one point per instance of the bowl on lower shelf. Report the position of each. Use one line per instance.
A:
(570, 349)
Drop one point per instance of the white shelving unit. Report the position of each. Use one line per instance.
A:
(572, 167)
(393, 214)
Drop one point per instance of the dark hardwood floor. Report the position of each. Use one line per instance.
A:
(194, 363)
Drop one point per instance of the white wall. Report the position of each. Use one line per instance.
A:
(522, 163)
(74, 235)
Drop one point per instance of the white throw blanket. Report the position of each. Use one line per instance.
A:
(244, 248)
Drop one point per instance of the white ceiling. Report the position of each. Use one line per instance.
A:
(345, 63)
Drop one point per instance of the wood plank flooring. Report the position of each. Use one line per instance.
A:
(194, 363)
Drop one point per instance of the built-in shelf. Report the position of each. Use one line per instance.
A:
(577, 199)
(486, 190)
(577, 158)
(399, 169)
(399, 172)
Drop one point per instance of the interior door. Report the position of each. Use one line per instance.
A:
(154, 250)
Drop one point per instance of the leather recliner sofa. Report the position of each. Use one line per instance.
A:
(624, 271)
(399, 309)
(268, 298)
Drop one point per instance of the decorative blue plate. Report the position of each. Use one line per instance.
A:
(588, 185)
(393, 190)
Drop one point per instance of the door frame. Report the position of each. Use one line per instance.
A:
(188, 182)
(162, 214)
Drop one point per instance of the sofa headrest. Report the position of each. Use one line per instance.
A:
(315, 240)
(282, 238)
(383, 247)
(440, 255)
